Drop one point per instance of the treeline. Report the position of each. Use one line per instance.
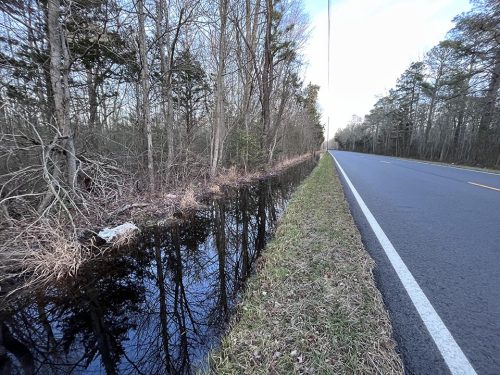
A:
(102, 97)
(445, 107)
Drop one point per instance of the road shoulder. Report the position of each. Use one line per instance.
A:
(313, 306)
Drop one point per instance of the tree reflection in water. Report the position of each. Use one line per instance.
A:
(156, 307)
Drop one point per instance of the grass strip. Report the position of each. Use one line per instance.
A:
(312, 307)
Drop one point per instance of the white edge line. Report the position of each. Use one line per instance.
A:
(455, 359)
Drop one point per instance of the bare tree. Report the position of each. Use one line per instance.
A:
(59, 73)
(219, 115)
(145, 88)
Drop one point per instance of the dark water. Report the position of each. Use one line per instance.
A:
(156, 307)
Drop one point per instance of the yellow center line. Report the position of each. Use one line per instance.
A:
(485, 186)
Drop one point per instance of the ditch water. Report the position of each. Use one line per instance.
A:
(155, 307)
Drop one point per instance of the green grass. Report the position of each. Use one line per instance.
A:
(312, 307)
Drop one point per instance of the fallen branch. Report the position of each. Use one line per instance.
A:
(127, 207)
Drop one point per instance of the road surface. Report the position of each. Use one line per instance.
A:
(441, 284)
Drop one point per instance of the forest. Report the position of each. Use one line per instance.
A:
(102, 100)
(445, 107)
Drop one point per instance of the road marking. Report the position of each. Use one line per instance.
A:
(383, 161)
(484, 186)
(455, 359)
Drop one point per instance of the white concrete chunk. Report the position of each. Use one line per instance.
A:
(114, 234)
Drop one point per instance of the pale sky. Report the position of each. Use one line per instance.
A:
(372, 43)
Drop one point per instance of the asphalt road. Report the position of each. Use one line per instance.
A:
(446, 229)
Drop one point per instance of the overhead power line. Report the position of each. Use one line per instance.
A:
(328, 83)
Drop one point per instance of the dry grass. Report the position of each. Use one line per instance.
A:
(188, 200)
(162, 205)
(230, 177)
(39, 254)
(126, 238)
(38, 251)
(233, 177)
(313, 307)
(291, 162)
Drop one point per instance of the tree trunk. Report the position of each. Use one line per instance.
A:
(482, 144)
(245, 266)
(220, 242)
(163, 303)
(247, 84)
(375, 139)
(273, 133)
(102, 337)
(219, 118)
(260, 240)
(145, 86)
(59, 71)
(166, 57)
(267, 76)
(93, 107)
(432, 107)
(428, 125)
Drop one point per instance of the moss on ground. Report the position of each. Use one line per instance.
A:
(312, 307)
